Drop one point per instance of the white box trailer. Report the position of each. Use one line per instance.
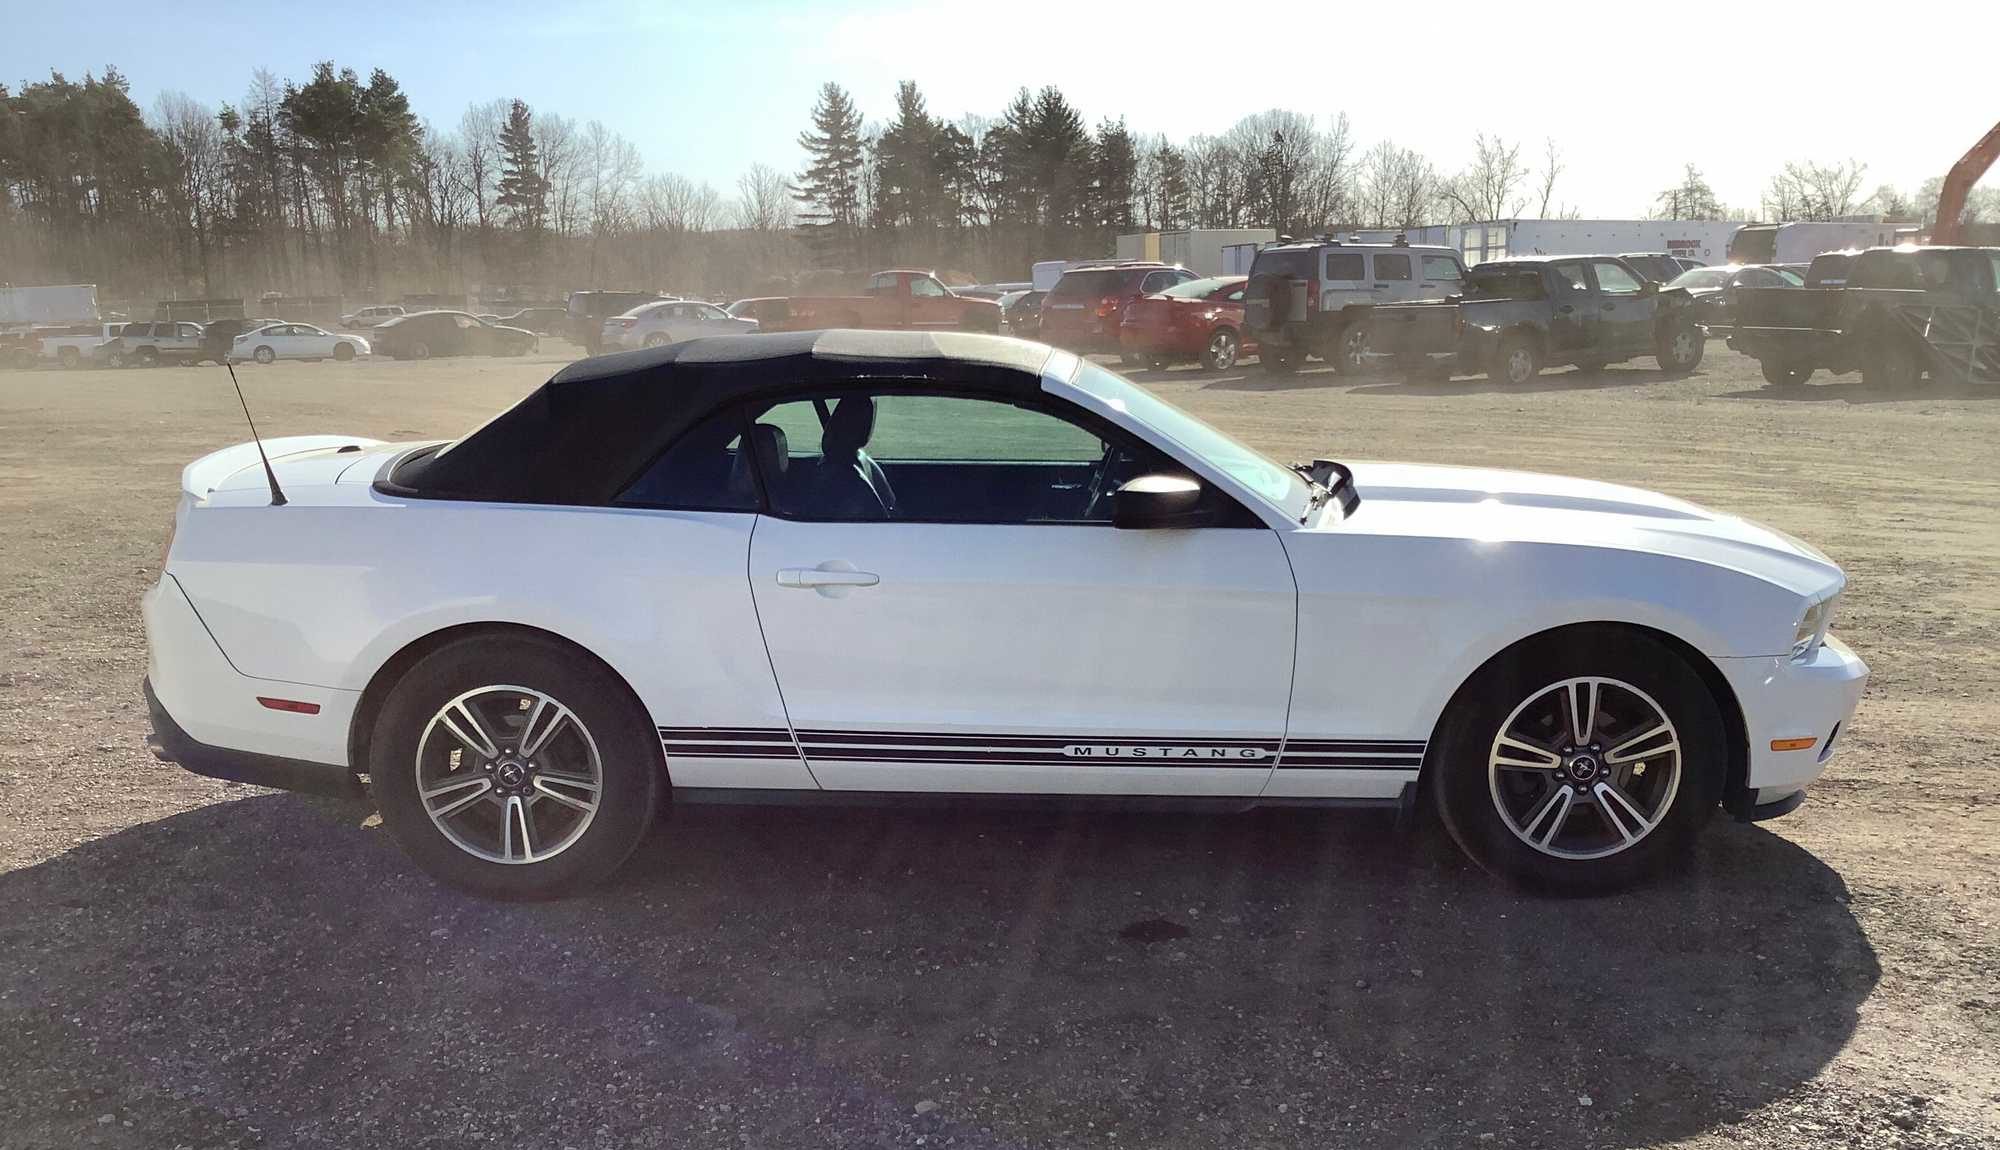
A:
(1799, 241)
(51, 304)
(1703, 240)
(1199, 250)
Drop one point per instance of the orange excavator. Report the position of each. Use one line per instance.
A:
(1958, 184)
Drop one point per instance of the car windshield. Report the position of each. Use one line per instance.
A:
(1196, 289)
(1701, 278)
(1275, 482)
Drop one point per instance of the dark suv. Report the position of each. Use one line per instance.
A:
(589, 309)
(1083, 311)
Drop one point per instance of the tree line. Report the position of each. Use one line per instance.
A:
(334, 186)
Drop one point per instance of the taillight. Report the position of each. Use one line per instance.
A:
(1107, 307)
(1312, 296)
(628, 323)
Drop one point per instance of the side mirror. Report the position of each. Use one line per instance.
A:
(1650, 287)
(1158, 501)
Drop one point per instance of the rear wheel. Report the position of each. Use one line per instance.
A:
(148, 357)
(1222, 350)
(1516, 362)
(1580, 762)
(264, 355)
(69, 357)
(420, 350)
(1131, 359)
(1349, 354)
(1781, 374)
(515, 768)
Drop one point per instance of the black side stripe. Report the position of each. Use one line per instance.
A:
(1033, 750)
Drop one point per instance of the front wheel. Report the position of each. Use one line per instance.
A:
(420, 350)
(1777, 373)
(1892, 364)
(149, 357)
(1222, 350)
(342, 352)
(1680, 349)
(264, 355)
(1517, 361)
(69, 357)
(514, 768)
(657, 339)
(1581, 762)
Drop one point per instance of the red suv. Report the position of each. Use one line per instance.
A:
(1083, 311)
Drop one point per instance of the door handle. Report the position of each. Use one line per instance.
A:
(824, 577)
(1565, 309)
(1610, 307)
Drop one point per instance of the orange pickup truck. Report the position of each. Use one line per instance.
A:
(912, 300)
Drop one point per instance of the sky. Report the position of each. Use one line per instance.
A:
(1629, 92)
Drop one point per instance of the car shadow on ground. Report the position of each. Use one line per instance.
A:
(1554, 379)
(1852, 390)
(271, 969)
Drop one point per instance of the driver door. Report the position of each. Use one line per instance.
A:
(978, 624)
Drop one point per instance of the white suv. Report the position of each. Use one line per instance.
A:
(1303, 298)
(372, 316)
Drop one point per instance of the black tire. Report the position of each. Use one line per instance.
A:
(1348, 352)
(1469, 794)
(264, 355)
(1131, 359)
(1892, 363)
(1778, 373)
(1222, 351)
(69, 357)
(1679, 348)
(1517, 360)
(148, 356)
(420, 350)
(657, 339)
(632, 772)
(342, 352)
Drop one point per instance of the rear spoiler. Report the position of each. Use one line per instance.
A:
(207, 473)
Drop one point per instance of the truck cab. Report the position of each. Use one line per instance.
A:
(1304, 298)
(912, 299)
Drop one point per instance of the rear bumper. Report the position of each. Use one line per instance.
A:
(171, 744)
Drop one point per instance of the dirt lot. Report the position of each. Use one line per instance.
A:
(185, 962)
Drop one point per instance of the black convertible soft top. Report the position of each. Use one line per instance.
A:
(584, 435)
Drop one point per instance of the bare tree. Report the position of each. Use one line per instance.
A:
(194, 148)
(1485, 190)
(1690, 199)
(610, 166)
(556, 145)
(763, 200)
(1398, 187)
(1552, 166)
(479, 138)
(1808, 190)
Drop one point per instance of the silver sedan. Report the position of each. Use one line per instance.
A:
(664, 322)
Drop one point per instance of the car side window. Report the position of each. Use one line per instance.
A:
(927, 287)
(1570, 277)
(1613, 279)
(1157, 281)
(882, 285)
(705, 469)
(1392, 266)
(1345, 266)
(464, 321)
(1441, 269)
(905, 456)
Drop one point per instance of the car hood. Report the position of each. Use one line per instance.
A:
(1487, 505)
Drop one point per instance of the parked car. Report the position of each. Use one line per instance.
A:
(770, 312)
(1713, 290)
(421, 335)
(1303, 299)
(1085, 309)
(1197, 320)
(78, 344)
(589, 309)
(1660, 267)
(276, 341)
(1024, 314)
(654, 324)
(1517, 316)
(1902, 313)
(894, 300)
(540, 320)
(372, 316)
(20, 349)
(218, 336)
(1829, 269)
(1573, 674)
(150, 344)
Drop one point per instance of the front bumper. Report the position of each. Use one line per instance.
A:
(1786, 700)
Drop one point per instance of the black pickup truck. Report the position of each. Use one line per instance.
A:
(1901, 313)
(1517, 316)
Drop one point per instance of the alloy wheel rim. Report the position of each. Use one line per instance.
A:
(1683, 347)
(1585, 768)
(1518, 364)
(509, 775)
(1355, 348)
(1222, 349)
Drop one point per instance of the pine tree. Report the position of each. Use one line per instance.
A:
(907, 158)
(523, 197)
(1173, 194)
(830, 187)
(1115, 164)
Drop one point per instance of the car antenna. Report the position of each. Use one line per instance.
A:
(277, 493)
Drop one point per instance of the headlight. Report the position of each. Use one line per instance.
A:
(1812, 630)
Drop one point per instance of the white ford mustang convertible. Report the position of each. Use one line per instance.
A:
(854, 565)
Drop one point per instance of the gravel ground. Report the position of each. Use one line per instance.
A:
(191, 963)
